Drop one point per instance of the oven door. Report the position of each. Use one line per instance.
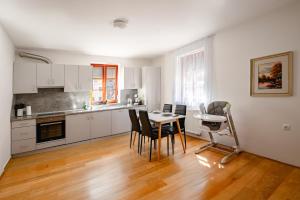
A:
(50, 131)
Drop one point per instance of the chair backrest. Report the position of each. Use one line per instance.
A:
(146, 126)
(135, 124)
(180, 110)
(217, 108)
(167, 108)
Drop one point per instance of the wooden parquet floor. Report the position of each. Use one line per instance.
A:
(108, 169)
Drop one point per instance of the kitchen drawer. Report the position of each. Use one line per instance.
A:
(28, 132)
(23, 123)
(22, 146)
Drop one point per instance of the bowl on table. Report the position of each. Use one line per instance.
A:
(156, 112)
(167, 114)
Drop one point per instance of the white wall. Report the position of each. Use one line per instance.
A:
(6, 72)
(168, 63)
(258, 120)
(73, 58)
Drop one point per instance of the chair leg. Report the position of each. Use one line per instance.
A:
(173, 146)
(173, 143)
(130, 139)
(209, 145)
(168, 144)
(184, 139)
(150, 152)
(141, 145)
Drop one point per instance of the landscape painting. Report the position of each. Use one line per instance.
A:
(272, 75)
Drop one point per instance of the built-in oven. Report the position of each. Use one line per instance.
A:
(50, 128)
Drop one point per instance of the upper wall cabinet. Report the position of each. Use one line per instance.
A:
(85, 78)
(78, 78)
(24, 78)
(132, 78)
(50, 75)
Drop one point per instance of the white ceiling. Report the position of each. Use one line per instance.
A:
(155, 26)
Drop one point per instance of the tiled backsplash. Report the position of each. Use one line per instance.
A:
(54, 99)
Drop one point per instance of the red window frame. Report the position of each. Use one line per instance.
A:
(104, 79)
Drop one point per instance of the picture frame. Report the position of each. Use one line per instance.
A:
(272, 76)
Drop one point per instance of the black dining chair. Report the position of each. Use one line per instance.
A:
(179, 110)
(167, 108)
(135, 127)
(149, 131)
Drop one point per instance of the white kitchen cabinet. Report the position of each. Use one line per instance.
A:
(100, 124)
(58, 75)
(132, 78)
(120, 121)
(43, 76)
(77, 128)
(71, 78)
(24, 78)
(85, 78)
(50, 75)
(78, 78)
(23, 135)
(21, 146)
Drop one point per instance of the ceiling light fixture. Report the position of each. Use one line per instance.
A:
(120, 23)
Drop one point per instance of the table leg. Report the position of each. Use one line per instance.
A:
(180, 134)
(159, 141)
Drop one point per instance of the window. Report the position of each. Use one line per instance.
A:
(105, 83)
(193, 76)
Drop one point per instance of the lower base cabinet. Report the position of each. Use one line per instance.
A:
(120, 121)
(23, 136)
(77, 128)
(80, 127)
(21, 146)
(100, 124)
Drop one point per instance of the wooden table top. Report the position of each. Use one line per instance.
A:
(160, 118)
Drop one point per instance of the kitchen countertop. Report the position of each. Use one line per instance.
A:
(76, 111)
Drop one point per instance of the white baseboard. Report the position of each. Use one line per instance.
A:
(2, 169)
(196, 135)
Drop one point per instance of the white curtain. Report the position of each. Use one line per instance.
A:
(193, 76)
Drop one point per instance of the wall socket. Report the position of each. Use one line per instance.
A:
(286, 127)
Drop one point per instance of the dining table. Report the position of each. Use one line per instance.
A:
(160, 118)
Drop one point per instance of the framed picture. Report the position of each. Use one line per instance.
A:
(272, 76)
